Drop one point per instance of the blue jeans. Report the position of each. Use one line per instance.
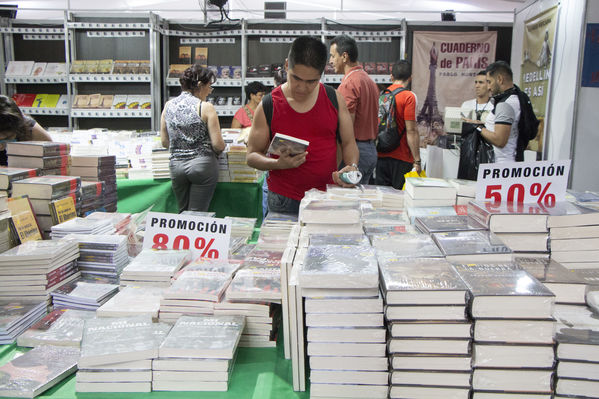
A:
(280, 203)
(367, 161)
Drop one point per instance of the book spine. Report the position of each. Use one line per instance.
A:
(476, 212)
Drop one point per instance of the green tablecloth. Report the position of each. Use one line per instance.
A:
(259, 373)
(230, 199)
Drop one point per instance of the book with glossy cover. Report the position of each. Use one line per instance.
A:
(198, 285)
(46, 187)
(507, 217)
(63, 327)
(38, 148)
(9, 175)
(45, 250)
(567, 214)
(469, 243)
(436, 224)
(203, 337)
(86, 291)
(263, 284)
(283, 143)
(407, 246)
(428, 187)
(37, 370)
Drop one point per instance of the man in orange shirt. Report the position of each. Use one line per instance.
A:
(361, 95)
(392, 166)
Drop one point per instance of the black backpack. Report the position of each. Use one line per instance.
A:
(268, 107)
(388, 137)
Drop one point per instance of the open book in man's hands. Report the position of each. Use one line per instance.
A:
(283, 143)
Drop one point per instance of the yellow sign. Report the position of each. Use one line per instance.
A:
(63, 210)
(25, 226)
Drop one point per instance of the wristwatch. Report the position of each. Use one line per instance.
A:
(479, 129)
(354, 165)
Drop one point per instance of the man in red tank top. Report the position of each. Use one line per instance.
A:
(302, 109)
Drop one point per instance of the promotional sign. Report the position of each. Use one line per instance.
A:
(205, 237)
(537, 58)
(542, 182)
(444, 65)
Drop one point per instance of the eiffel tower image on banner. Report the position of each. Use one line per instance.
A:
(429, 114)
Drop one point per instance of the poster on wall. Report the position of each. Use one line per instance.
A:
(444, 65)
(537, 57)
(590, 62)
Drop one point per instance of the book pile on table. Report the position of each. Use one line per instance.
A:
(82, 226)
(196, 290)
(577, 352)
(426, 211)
(427, 191)
(98, 168)
(5, 231)
(61, 327)
(101, 255)
(430, 345)
(345, 327)
(50, 157)
(120, 221)
(513, 331)
(522, 227)
(329, 216)
(44, 189)
(392, 199)
(466, 190)
(357, 193)
(52, 363)
(198, 354)
(85, 293)
(92, 196)
(160, 163)
(133, 301)
(574, 232)
(8, 175)
(407, 246)
(440, 224)
(16, 317)
(32, 270)
(472, 246)
(239, 171)
(223, 165)
(117, 353)
(153, 268)
(242, 227)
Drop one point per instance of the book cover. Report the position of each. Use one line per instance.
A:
(62, 209)
(63, 327)
(436, 224)
(282, 143)
(509, 217)
(429, 188)
(176, 70)
(24, 99)
(133, 101)
(38, 148)
(199, 285)
(469, 243)
(90, 66)
(37, 370)
(63, 101)
(8, 175)
(200, 56)
(19, 68)
(145, 101)
(55, 69)
(568, 214)
(78, 66)
(119, 67)
(46, 187)
(105, 66)
(81, 101)
(262, 284)
(119, 101)
(203, 337)
(95, 100)
(184, 55)
(38, 69)
(407, 246)
(45, 163)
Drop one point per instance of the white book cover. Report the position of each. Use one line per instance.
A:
(19, 68)
(283, 143)
(55, 69)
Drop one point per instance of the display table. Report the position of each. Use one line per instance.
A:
(258, 373)
(230, 199)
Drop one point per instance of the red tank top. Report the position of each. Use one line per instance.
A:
(318, 126)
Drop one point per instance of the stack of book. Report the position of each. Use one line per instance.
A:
(430, 345)
(426, 191)
(160, 163)
(154, 268)
(82, 226)
(5, 231)
(357, 193)
(513, 331)
(50, 157)
(239, 171)
(32, 68)
(53, 364)
(440, 224)
(8, 175)
(522, 227)
(346, 334)
(117, 353)
(92, 197)
(61, 327)
(120, 220)
(577, 352)
(198, 354)
(16, 317)
(45, 189)
(242, 227)
(32, 270)
(84, 294)
(101, 255)
(98, 168)
(428, 211)
(574, 233)
(392, 198)
(133, 301)
(223, 166)
(466, 190)
(407, 246)
(472, 246)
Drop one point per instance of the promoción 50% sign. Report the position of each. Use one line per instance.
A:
(205, 237)
(541, 182)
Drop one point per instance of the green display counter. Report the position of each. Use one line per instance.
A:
(258, 373)
(230, 199)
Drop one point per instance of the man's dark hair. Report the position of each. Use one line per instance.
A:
(346, 44)
(254, 88)
(402, 70)
(501, 68)
(308, 51)
(483, 73)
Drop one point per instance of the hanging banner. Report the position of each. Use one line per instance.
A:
(444, 65)
(537, 57)
(590, 63)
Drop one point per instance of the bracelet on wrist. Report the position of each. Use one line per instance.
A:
(354, 165)
(418, 162)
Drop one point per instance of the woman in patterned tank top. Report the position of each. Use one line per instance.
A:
(189, 127)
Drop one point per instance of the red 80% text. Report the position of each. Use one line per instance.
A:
(183, 242)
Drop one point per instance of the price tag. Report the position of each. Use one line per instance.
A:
(541, 182)
(205, 237)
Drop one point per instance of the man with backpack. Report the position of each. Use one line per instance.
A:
(305, 109)
(361, 97)
(512, 123)
(398, 140)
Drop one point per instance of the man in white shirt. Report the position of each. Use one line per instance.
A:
(501, 126)
(476, 110)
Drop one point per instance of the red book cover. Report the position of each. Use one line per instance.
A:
(24, 100)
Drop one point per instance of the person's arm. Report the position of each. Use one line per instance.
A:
(210, 116)
(236, 124)
(349, 149)
(38, 133)
(504, 117)
(164, 139)
(258, 143)
(414, 144)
